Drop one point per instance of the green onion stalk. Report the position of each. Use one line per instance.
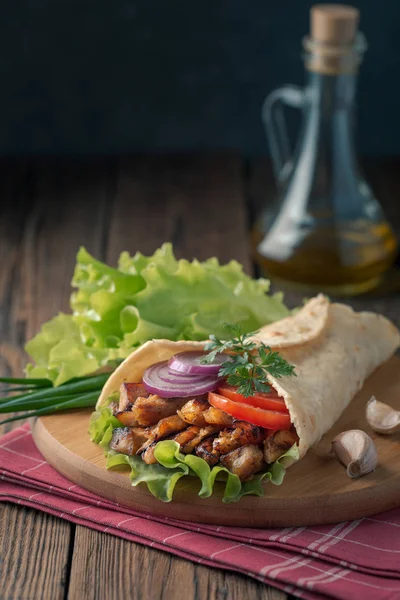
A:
(40, 397)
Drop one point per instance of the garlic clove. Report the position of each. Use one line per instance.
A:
(356, 451)
(381, 417)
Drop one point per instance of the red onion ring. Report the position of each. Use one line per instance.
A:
(154, 379)
(172, 377)
(190, 363)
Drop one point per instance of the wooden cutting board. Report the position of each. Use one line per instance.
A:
(316, 490)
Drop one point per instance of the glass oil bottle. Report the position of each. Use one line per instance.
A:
(326, 230)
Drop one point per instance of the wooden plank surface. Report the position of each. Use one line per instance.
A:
(39, 237)
(34, 547)
(197, 203)
(34, 552)
(151, 574)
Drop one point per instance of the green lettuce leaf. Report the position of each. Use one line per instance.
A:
(162, 478)
(100, 423)
(61, 354)
(115, 310)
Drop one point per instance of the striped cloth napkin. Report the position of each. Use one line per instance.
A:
(357, 559)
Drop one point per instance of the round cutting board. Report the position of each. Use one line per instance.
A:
(316, 490)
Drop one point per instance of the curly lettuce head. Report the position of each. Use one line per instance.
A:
(115, 310)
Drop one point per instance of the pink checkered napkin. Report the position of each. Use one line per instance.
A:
(358, 559)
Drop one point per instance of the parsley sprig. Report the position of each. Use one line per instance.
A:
(249, 363)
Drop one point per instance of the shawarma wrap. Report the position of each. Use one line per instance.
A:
(333, 349)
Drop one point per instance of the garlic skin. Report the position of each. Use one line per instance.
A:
(356, 451)
(381, 417)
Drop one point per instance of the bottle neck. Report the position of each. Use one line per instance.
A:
(329, 122)
(330, 94)
(325, 163)
(330, 103)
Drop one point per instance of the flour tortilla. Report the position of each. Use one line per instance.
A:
(333, 349)
(332, 368)
(306, 325)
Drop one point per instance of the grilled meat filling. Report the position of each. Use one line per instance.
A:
(128, 440)
(215, 416)
(152, 410)
(129, 393)
(122, 440)
(186, 436)
(198, 428)
(192, 411)
(244, 462)
(204, 450)
(243, 434)
(165, 428)
(198, 412)
(188, 439)
(148, 455)
(126, 418)
(278, 443)
(191, 437)
(137, 407)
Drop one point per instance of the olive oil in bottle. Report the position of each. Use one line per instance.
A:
(325, 230)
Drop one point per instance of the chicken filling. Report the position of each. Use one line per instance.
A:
(199, 428)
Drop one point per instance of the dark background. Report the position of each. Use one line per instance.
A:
(113, 76)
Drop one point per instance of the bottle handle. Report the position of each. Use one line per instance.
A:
(276, 129)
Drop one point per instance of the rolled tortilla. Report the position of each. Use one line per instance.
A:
(332, 368)
(333, 349)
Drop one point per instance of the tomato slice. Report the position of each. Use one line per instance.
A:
(269, 400)
(270, 419)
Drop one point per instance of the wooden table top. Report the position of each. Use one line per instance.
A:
(50, 208)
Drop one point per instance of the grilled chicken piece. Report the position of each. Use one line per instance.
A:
(168, 426)
(165, 428)
(148, 455)
(192, 411)
(126, 417)
(186, 436)
(243, 434)
(192, 436)
(215, 416)
(127, 440)
(278, 443)
(198, 412)
(149, 411)
(204, 450)
(244, 462)
(188, 439)
(122, 440)
(129, 393)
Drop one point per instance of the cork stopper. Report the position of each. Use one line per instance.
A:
(334, 24)
(332, 46)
